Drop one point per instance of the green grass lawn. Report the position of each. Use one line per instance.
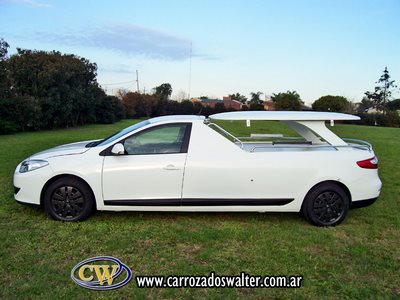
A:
(358, 259)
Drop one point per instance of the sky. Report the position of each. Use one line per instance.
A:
(215, 48)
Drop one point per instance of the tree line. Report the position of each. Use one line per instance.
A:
(138, 105)
(385, 108)
(45, 90)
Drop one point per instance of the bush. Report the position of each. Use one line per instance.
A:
(8, 126)
(389, 119)
(186, 107)
(104, 111)
(286, 101)
(119, 111)
(331, 103)
(393, 119)
(19, 114)
(140, 105)
(256, 106)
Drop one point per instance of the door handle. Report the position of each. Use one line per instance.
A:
(171, 167)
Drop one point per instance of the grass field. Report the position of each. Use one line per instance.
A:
(359, 259)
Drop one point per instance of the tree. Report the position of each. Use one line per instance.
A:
(255, 102)
(245, 107)
(109, 109)
(383, 91)
(3, 49)
(139, 105)
(238, 97)
(118, 108)
(366, 103)
(161, 107)
(19, 114)
(104, 111)
(164, 91)
(394, 105)
(173, 107)
(197, 108)
(186, 107)
(65, 85)
(331, 103)
(40, 89)
(287, 101)
(4, 91)
(130, 101)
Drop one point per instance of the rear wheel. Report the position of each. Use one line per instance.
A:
(68, 199)
(326, 205)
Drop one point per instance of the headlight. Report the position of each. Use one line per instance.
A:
(30, 165)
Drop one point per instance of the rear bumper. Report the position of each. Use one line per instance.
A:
(363, 203)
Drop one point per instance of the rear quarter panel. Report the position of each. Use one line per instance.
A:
(217, 168)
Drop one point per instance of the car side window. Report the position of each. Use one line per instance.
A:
(162, 139)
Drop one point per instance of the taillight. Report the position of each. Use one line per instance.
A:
(370, 163)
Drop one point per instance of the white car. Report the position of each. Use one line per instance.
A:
(188, 163)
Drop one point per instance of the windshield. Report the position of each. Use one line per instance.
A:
(117, 135)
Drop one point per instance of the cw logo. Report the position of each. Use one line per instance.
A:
(101, 275)
(109, 273)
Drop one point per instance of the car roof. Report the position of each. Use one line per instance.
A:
(176, 118)
(283, 116)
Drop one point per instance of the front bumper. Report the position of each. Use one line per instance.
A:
(28, 186)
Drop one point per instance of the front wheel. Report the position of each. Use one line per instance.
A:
(68, 199)
(326, 205)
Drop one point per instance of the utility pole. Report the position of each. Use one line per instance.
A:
(137, 81)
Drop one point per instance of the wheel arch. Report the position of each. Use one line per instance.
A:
(338, 183)
(51, 180)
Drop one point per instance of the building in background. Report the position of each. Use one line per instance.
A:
(226, 101)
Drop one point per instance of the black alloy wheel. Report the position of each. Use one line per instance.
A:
(67, 202)
(326, 205)
(68, 199)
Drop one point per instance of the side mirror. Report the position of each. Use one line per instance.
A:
(118, 149)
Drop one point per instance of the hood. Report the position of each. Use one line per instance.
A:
(67, 149)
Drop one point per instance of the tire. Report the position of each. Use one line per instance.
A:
(68, 199)
(326, 205)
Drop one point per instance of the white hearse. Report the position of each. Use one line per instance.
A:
(189, 163)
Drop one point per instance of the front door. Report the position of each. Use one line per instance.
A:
(151, 170)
